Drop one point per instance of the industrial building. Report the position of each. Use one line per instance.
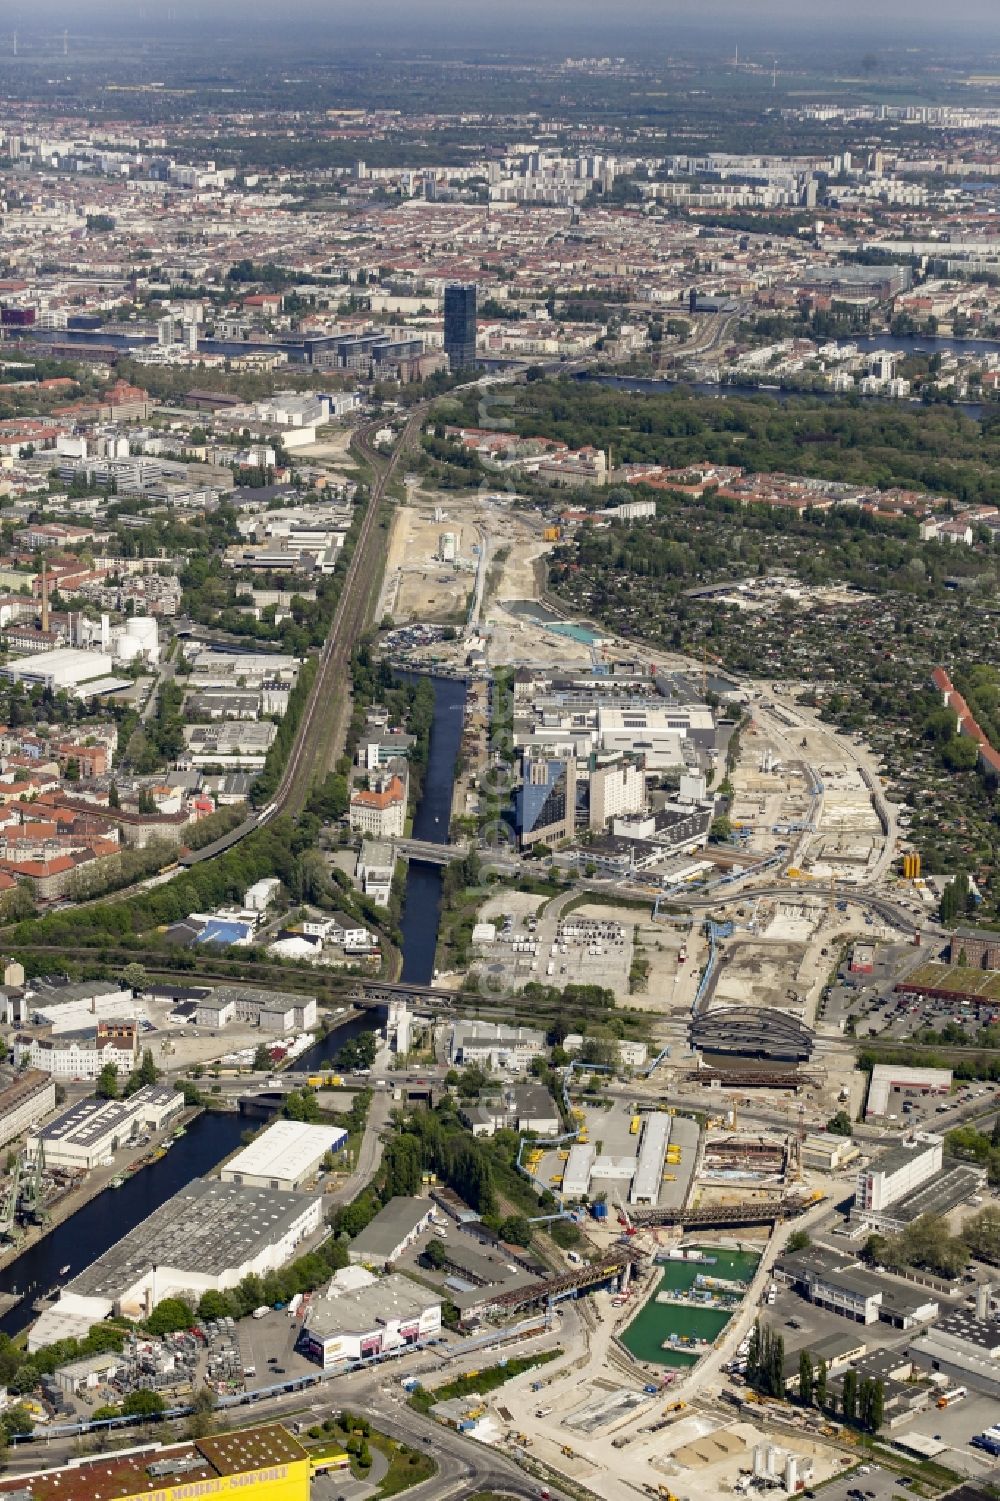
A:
(26, 1100)
(827, 1153)
(964, 1346)
(889, 1076)
(395, 1227)
(267, 1459)
(78, 1004)
(285, 1155)
(841, 1285)
(271, 1010)
(91, 1130)
(648, 1175)
(360, 1320)
(752, 1032)
(494, 1045)
(208, 1237)
(65, 667)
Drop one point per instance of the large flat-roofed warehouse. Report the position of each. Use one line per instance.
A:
(359, 1322)
(286, 1155)
(267, 1459)
(206, 1238)
(752, 1032)
(92, 1129)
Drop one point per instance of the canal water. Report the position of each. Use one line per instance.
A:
(209, 1138)
(657, 1322)
(422, 910)
(212, 1136)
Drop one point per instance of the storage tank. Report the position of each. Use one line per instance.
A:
(791, 1473)
(759, 1459)
(447, 547)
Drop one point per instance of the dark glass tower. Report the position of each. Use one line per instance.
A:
(460, 325)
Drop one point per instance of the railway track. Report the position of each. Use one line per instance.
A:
(314, 742)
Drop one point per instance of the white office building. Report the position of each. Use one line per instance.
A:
(892, 1175)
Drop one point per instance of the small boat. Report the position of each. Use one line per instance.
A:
(64, 1269)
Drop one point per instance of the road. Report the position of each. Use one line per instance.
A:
(370, 1151)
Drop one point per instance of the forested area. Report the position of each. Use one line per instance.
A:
(873, 443)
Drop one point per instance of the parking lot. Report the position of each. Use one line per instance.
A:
(955, 1426)
(267, 1347)
(556, 951)
(870, 1480)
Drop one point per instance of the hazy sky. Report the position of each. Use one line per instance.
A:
(516, 24)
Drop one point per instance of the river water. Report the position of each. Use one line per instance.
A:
(214, 1135)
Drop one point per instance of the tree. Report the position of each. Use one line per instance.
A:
(213, 1305)
(805, 1378)
(143, 1403)
(148, 1071)
(169, 1316)
(202, 1420)
(516, 1229)
(819, 1385)
(721, 830)
(262, 1059)
(850, 1395)
(435, 1254)
(840, 1124)
(134, 976)
(877, 1409)
(404, 1166)
(799, 1241)
(106, 1087)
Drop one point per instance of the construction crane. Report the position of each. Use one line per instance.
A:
(32, 1204)
(8, 1204)
(623, 1219)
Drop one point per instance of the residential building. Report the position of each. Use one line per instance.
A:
(81, 1055)
(380, 810)
(375, 868)
(616, 789)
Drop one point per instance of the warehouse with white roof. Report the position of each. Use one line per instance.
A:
(286, 1155)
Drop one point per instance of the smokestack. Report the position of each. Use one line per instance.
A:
(45, 598)
(983, 1301)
